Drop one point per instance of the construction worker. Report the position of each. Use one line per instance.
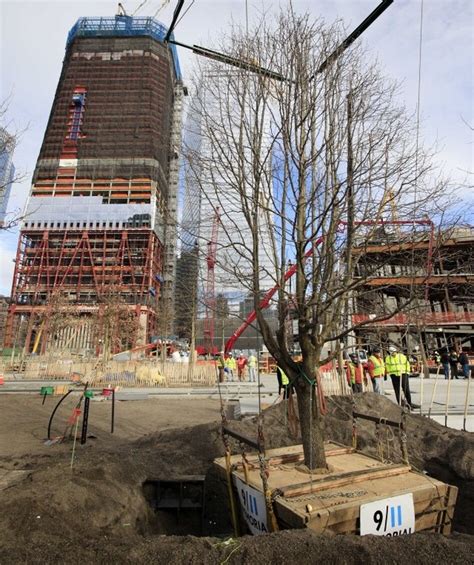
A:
(252, 365)
(464, 362)
(230, 367)
(221, 366)
(398, 368)
(355, 373)
(453, 363)
(376, 368)
(283, 383)
(445, 363)
(241, 364)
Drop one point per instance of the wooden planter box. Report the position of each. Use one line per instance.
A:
(332, 502)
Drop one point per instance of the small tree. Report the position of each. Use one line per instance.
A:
(310, 166)
(115, 324)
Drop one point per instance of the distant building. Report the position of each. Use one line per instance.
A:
(7, 171)
(206, 193)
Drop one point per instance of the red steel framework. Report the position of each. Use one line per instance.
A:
(85, 266)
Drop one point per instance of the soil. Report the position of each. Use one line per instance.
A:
(97, 512)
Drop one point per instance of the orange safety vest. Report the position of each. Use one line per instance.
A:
(355, 373)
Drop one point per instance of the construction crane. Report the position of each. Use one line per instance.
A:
(254, 67)
(265, 302)
(210, 300)
(209, 295)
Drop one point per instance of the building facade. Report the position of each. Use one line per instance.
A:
(213, 228)
(438, 274)
(210, 198)
(100, 220)
(7, 172)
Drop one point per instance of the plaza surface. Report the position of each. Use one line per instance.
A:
(450, 403)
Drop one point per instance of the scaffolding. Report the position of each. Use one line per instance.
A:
(124, 26)
(85, 266)
(100, 220)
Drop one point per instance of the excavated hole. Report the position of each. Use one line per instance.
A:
(187, 505)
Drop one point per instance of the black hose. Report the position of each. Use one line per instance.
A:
(54, 412)
(113, 412)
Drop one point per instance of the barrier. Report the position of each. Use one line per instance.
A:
(135, 373)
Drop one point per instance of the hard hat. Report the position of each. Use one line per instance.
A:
(392, 349)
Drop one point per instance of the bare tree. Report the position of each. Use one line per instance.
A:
(115, 323)
(307, 170)
(9, 139)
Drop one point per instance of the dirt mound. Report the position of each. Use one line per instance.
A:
(97, 512)
(296, 546)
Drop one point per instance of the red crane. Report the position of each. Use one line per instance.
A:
(265, 302)
(209, 295)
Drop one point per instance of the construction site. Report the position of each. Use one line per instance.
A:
(241, 320)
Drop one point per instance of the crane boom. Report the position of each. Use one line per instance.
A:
(265, 302)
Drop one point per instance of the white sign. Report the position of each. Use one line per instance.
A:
(252, 504)
(68, 162)
(388, 517)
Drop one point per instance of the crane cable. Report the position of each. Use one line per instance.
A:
(420, 50)
(185, 12)
(415, 199)
(139, 7)
(163, 5)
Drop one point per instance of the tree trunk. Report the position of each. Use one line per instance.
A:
(311, 425)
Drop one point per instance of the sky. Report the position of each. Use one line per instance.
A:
(33, 37)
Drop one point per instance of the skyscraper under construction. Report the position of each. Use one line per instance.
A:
(99, 230)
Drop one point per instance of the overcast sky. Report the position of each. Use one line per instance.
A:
(33, 36)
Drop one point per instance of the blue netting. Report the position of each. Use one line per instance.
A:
(123, 26)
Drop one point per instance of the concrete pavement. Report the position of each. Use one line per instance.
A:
(432, 394)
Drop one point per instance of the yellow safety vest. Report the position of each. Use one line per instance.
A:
(231, 363)
(284, 379)
(252, 362)
(379, 367)
(397, 365)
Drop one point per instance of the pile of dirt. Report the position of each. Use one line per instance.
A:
(296, 546)
(97, 512)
